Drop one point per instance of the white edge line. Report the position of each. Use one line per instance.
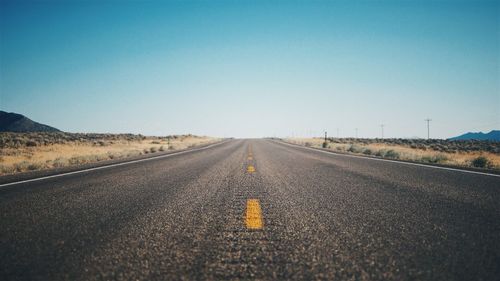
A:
(112, 165)
(392, 161)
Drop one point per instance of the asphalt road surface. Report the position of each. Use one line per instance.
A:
(253, 210)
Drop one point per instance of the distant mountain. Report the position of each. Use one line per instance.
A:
(492, 136)
(13, 122)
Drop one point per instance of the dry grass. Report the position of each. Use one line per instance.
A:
(25, 152)
(462, 157)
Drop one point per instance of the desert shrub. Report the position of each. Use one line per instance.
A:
(355, 149)
(325, 144)
(367, 151)
(339, 148)
(162, 148)
(31, 143)
(427, 159)
(440, 158)
(77, 160)
(21, 166)
(145, 151)
(308, 144)
(392, 154)
(171, 147)
(60, 162)
(155, 142)
(34, 166)
(133, 153)
(480, 162)
(436, 159)
(100, 157)
(4, 169)
(152, 149)
(380, 153)
(101, 143)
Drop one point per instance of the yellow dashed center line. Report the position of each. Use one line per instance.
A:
(250, 157)
(253, 217)
(250, 169)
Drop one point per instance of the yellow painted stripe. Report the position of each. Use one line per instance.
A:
(250, 157)
(253, 217)
(250, 169)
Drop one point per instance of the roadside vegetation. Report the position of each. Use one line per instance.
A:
(470, 153)
(20, 152)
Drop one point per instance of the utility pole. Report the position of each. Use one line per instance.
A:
(382, 126)
(428, 120)
(356, 132)
(325, 143)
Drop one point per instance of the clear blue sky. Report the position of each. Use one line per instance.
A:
(253, 69)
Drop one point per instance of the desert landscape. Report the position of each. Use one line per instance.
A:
(250, 140)
(463, 153)
(21, 152)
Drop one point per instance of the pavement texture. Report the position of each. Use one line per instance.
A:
(297, 214)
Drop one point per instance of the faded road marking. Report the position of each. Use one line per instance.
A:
(253, 217)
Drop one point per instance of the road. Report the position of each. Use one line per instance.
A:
(253, 210)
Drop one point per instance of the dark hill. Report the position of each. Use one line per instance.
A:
(13, 122)
(491, 136)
